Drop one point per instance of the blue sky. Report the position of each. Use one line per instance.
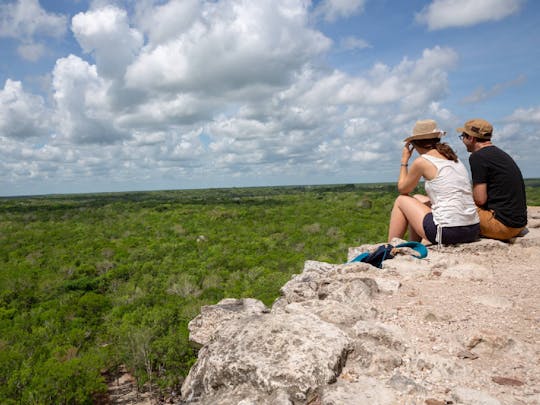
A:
(139, 95)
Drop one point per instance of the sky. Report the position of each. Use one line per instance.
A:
(104, 96)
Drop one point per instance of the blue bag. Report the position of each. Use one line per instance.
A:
(384, 252)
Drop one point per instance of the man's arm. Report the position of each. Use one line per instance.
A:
(480, 194)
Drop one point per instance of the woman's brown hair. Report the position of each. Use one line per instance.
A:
(443, 148)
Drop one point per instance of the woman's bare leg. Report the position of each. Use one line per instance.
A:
(407, 212)
(424, 199)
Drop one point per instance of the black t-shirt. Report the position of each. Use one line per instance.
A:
(505, 186)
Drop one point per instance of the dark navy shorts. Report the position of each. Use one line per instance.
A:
(451, 234)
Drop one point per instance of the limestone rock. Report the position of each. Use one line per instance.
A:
(245, 395)
(344, 283)
(293, 352)
(456, 327)
(331, 311)
(467, 396)
(468, 271)
(382, 334)
(494, 301)
(386, 285)
(202, 327)
(365, 390)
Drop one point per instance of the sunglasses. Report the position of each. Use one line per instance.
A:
(463, 136)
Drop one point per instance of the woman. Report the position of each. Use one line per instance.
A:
(449, 215)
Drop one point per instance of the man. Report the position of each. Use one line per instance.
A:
(498, 187)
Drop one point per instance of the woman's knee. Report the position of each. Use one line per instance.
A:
(424, 199)
(402, 200)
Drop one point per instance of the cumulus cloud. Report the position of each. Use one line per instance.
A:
(332, 10)
(26, 18)
(526, 115)
(258, 46)
(31, 51)
(167, 21)
(411, 84)
(351, 43)
(22, 115)
(83, 113)
(106, 33)
(442, 14)
(322, 116)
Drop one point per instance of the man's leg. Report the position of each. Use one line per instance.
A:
(491, 227)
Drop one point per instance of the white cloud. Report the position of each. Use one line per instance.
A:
(22, 115)
(351, 43)
(322, 117)
(168, 21)
(106, 33)
(220, 92)
(25, 18)
(31, 51)
(83, 110)
(526, 115)
(411, 84)
(332, 10)
(258, 46)
(442, 14)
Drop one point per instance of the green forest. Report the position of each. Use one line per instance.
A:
(90, 283)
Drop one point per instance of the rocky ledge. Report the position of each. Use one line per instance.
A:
(458, 327)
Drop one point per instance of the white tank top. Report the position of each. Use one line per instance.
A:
(450, 193)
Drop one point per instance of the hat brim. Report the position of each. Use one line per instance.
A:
(473, 134)
(430, 135)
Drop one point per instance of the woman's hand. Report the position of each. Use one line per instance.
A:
(406, 153)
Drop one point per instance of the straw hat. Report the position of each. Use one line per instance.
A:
(425, 129)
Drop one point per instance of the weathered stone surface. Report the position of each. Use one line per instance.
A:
(405, 384)
(202, 327)
(345, 283)
(507, 381)
(494, 301)
(386, 335)
(487, 342)
(433, 401)
(467, 396)
(456, 327)
(468, 271)
(293, 352)
(246, 395)
(387, 286)
(331, 311)
(363, 391)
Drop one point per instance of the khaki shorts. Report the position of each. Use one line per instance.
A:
(491, 227)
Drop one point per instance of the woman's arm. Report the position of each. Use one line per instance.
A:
(408, 179)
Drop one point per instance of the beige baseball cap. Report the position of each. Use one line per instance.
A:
(478, 128)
